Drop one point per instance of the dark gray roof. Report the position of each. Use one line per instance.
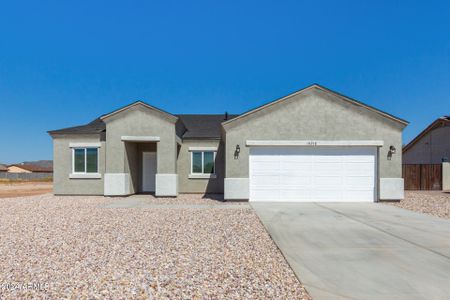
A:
(95, 126)
(195, 126)
(202, 126)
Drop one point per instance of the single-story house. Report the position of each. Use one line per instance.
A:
(28, 168)
(3, 168)
(312, 145)
(431, 146)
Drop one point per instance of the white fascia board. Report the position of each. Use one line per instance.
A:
(132, 138)
(202, 148)
(312, 143)
(85, 145)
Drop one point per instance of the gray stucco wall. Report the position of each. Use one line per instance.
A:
(313, 115)
(430, 149)
(197, 185)
(62, 166)
(139, 121)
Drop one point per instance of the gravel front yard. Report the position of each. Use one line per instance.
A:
(77, 248)
(435, 203)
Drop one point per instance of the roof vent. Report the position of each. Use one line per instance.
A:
(226, 116)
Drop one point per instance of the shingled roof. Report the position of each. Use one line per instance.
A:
(202, 126)
(197, 126)
(95, 126)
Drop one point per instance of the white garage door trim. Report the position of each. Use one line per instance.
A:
(313, 174)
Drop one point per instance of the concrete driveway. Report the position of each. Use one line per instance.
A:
(362, 251)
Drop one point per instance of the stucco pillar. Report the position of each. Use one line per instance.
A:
(446, 176)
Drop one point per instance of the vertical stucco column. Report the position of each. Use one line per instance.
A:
(446, 176)
(166, 183)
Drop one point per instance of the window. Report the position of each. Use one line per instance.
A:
(85, 160)
(203, 162)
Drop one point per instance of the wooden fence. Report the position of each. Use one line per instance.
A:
(422, 176)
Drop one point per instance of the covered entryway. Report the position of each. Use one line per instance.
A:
(141, 164)
(315, 174)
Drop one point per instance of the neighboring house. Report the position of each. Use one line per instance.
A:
(25, 168)
(312, 145)
(431, 146)
(3, 168)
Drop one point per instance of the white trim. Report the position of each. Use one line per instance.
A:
(141, 138)
(202, 149)
(311, 143)
(203, 157)
(201, 176)
(85, 145)
(85, 176)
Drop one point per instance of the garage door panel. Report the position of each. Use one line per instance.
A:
(358, 168)
(312, 173)
(365, 181)
(326, 181)
(295, 180)
(328, 168)
(265, 180)
(296, 165)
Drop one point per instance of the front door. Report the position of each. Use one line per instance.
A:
(148, 171)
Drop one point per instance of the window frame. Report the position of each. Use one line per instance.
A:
(203, 162)
(85, 160)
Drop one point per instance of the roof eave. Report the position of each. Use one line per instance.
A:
(317, 86)
(169, 116)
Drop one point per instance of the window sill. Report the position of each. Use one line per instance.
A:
(86, 176)
(201, 176)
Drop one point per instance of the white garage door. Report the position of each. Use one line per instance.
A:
(327, 174)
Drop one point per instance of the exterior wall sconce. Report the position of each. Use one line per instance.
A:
(392, 150)
(237, 151)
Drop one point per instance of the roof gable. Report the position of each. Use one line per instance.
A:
(163, 113)
(442, 121)
(313, 87)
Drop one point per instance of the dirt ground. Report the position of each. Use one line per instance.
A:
(23, 188)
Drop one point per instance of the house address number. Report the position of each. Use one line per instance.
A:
(312, 143)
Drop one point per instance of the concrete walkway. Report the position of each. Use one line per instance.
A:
(362, 251)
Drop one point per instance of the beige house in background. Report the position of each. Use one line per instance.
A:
(26, 168)
(312, 145)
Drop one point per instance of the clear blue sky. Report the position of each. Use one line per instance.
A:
(63, 63)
